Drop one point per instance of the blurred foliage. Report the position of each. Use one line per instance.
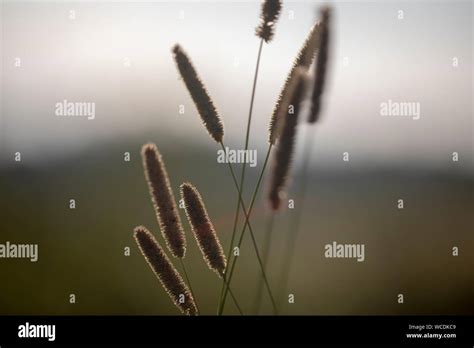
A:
(81, 251)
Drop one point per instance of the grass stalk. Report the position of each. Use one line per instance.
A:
(165, 271)
(242, 174)
(267, 242)
(233, 296)
(192, 291)
(247, 223)
(189, 284)
(295, 220)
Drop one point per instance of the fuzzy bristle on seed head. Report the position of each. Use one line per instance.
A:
(201, 98)
(165, 271)
(303, 60)
(203, 229)
(270, 12)
(282, 158)
(320, 66)
(163, 200)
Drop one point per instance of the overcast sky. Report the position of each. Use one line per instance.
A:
(85, 59)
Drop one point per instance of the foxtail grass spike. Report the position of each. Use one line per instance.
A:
(163, 200)
(270, 12)
(303, 59)
(284, 153)
(203, 229)
(204, 104)
(165, 271)
(320, 66)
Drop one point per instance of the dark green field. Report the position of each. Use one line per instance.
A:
(81, 251)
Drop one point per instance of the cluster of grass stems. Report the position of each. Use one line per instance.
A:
(284, 120)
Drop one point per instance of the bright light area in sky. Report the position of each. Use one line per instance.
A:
(118, 56)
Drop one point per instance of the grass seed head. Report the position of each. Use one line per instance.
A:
(163, 200)
(203, 229)
(303, 59)
(165, 271)
(201, 98)
(270, 12)
(282, 158)
(320, 66)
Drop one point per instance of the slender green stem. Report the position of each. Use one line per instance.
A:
(194, 296)
(292, 234)
(249, 121)
(189, 283)
(242, 174)
(232, 295)
(253, 238)
(237, 213)
(247, 223)
(267, 241)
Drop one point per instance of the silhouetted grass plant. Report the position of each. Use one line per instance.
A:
(270, 12)
(319, 78)
(288, 120)
(282, 135)
(165, 271)
(303, 59)
(163, 200)
(203, 229)
(268, 17)
(199, 94)
(211, 120)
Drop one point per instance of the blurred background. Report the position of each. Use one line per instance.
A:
(118, 55)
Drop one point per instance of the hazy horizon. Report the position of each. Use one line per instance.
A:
(83, 59)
